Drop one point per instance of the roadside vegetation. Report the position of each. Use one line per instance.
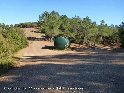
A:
(12, 39)
(81, 30)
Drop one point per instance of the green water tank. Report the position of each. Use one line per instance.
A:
(61, 43)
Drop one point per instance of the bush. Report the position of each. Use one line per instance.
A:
(6, 64)
(16, 37)
(11, 40)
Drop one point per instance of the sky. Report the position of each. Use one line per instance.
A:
(19, 11)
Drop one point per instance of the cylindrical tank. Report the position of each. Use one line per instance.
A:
(61, 43)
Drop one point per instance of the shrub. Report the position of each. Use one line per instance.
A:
(11, 40)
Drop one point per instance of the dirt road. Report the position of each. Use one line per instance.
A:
(40, 69)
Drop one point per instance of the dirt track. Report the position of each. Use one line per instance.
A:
(96, 71)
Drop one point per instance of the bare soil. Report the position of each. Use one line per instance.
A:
(98, 70)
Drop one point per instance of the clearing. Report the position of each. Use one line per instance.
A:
(94, 70)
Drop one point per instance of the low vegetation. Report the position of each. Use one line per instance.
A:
(12, 39)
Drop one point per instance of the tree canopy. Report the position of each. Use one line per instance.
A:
(80, 30)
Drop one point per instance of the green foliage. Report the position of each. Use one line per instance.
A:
(121, 34)
(5, 55)
(27, 25)
(11, 40)
(16, 37)
(49, 23)
(81, 31)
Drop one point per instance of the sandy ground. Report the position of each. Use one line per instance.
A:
(39, 68)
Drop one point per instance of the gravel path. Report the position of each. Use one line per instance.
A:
(50, 71)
